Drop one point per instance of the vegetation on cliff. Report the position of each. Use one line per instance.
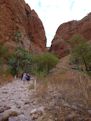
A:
(80, 52)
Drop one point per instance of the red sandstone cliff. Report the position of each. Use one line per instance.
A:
(21, 26)
(66, 31)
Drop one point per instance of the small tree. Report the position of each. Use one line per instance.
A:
(17, 35)
(19, 61)
(43, 63)
(81, 51)
(13, 65)
(18, 38)
(76, 40)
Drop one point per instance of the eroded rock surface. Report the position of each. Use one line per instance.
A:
(21, 26)
(66, 31)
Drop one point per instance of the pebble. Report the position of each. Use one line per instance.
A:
(70, 117)
(19, 118)
(8, 113)
(89, 111)
(2, 109)
(37, 112)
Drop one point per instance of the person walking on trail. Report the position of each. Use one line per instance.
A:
(24, 77)
(27, 77)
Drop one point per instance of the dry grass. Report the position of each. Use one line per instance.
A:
(74, 86)
(65, 93)
(4, 79)
(42, 88)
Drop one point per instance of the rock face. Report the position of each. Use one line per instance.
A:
(66, 31)
(20, 26)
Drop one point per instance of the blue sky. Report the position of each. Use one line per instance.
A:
(55, 12)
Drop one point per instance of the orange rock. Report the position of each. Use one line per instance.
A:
(66, 31)
(21, 26)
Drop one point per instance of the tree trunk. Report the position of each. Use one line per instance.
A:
(84, 61)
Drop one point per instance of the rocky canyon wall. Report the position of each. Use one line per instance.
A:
(66, 30)
(20, 26)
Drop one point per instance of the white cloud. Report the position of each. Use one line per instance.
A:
(55, 12)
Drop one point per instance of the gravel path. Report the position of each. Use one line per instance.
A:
(16, 96)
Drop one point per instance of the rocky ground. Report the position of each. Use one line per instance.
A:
(19, 101)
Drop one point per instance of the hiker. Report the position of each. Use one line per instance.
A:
(27, 77)
(23, 78)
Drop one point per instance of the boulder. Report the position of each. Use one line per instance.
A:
(36, 113)
(4, 108)
(8, 113)
(19, 118)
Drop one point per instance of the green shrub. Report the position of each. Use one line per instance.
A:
(19, 61)
(13, 65)
(43, 63)
(4, 55)
(81, 53)
(39, 65)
